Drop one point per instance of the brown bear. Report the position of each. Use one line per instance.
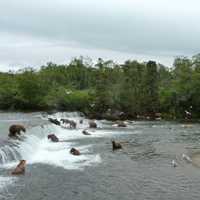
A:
(53, 138)
(15, 130)
(65, 121)
(75, 152)
(92, 124)
(20, 169)
(54, 121)
(70, 122)
(116, 145)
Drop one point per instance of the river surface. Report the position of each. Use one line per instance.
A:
(141, 170)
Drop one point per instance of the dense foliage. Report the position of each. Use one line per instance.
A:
(106, 88)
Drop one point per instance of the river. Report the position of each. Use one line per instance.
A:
(141, 170)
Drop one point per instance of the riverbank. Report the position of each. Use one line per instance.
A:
(112, 116)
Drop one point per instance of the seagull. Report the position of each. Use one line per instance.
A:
(186, 158)
(187, 112)
(174, 163)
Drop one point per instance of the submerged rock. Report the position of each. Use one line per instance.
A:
(121, 124)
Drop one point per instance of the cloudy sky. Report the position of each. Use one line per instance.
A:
(33, 32)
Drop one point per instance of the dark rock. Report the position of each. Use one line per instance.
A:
(85, 132)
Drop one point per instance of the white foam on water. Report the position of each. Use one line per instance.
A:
(36, 148)
(73, 134)
(58, 154)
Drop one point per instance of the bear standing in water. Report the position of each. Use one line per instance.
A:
(15, 130)
(92, 124)
(53, 138)
(75, 152)
(20, 169)
(116, 145)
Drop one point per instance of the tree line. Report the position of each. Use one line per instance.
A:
(106, 89)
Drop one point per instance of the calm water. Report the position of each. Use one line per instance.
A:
(142, 170)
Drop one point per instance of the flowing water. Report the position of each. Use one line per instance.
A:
(141, 170)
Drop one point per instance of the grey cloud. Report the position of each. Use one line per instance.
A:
(152, 28)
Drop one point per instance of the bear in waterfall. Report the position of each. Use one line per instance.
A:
(20, 169)
(92, 124)
(116, 145)
(65, 121)
(71, 123)
(53, 138)
(54, 121)
(75, 152)
(15, 130)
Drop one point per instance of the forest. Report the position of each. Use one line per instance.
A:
(106, 89)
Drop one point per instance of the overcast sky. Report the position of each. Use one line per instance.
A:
(33, 32)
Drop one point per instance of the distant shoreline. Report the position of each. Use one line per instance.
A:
(104, 117)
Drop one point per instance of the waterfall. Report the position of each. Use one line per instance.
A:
(36, 148)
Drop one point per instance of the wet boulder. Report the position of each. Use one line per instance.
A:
(121, 124)
(158, 116)
(111, 114)
(85, 132)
